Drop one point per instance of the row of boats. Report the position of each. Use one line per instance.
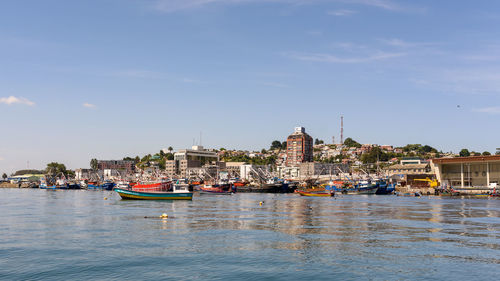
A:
(182, 189)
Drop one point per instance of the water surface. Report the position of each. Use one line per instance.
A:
(78, 235)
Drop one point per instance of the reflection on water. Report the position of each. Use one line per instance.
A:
(79, 235)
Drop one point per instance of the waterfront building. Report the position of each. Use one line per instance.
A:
(285, 172)
(81, 174)
(197, 153)
(299, 147)
(234, 168)
(313, 169)
(127, 165)
(179, 167)
(474, 171)
(411, 171)
(411, 160)
(254, 172)
(187, 159)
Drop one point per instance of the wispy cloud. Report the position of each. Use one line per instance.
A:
(1, 158)
(395, 42)
(169, 6)
(341, 13)
(467, 80)
(490, 110)
(383, 4)
(329, 58)
(89, 105)
(16, 100)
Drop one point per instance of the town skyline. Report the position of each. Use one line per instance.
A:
(144, 75)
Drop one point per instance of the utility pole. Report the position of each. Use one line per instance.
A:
(341, 129)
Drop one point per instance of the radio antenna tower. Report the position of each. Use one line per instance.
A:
(341, 129)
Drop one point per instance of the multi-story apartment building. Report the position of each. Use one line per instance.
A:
(299, 147)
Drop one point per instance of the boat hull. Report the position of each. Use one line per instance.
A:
(316, 194)
(215, 192)
(136, 195)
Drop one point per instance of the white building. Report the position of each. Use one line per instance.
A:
(197, 153)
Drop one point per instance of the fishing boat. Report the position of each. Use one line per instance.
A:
(217, 189)
(178, 192)
(107, 185)
(409, 194)
(384, 188)
(316, 194)
(93, 185)
(51, 185)
(123, 185)
(360, 187)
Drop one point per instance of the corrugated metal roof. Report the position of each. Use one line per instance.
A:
(466, 159)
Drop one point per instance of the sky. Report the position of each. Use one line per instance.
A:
(113, 78)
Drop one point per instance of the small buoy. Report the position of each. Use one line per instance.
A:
(261, 202)
(164, 216)
(105, 198)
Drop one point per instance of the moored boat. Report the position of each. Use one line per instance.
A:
(178, 192)
(316, 194)
(351, 188)
(221, 189)
(384, 188)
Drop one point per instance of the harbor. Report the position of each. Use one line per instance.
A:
(252, 235)
(297, 165)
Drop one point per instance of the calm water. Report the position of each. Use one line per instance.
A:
(77, 235)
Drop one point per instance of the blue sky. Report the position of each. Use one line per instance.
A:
(114, 78)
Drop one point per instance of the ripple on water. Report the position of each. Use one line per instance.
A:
(79, 236)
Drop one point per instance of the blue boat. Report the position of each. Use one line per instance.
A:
(103, 186)
(360, 187)
(108, 185)
(59, 184)
(384, 188)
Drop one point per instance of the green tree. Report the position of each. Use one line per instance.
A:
(318, 141)
(170, 149)
(93, 164)
(162, 164)
(4, 176)
(55, 168)
(263, 151)
(146, 158)
(275, 145)
(464, 153)
(376, 154)
(169, 156)
(283, 145)
(24, 172)
(486, 153)
(349, 142)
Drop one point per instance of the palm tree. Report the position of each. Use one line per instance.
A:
(170, 149)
